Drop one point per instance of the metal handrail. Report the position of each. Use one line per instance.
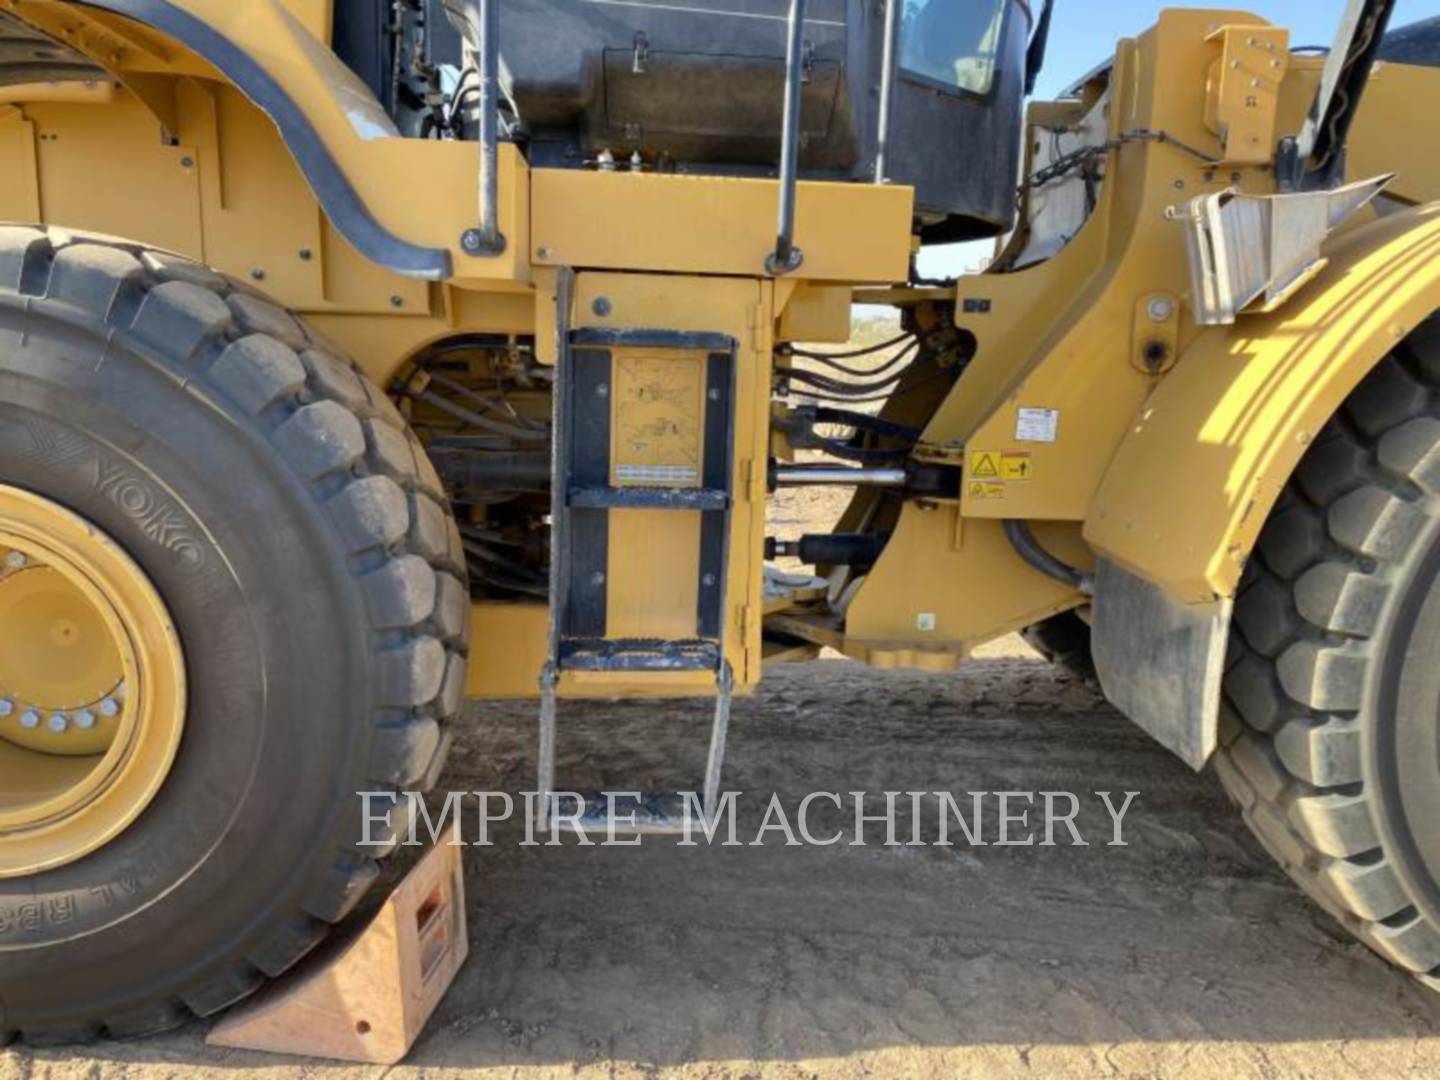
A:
(487, 238)
(887, 89)
(787, 258)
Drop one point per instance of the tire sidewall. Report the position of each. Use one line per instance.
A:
(1402, 744)
(258, 587)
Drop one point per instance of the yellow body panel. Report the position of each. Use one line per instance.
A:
(1185, 498)
(1384, 139)
(1077, 361)
(690, 224)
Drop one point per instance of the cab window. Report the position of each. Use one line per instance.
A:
(954, 43)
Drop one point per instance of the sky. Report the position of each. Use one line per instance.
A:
(1085, 33)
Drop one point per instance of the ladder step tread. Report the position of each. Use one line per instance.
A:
(649, 498)
(635, 654)
(645, 813)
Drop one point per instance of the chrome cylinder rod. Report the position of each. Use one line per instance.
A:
(837, 476)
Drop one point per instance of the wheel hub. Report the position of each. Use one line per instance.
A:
(92, 687)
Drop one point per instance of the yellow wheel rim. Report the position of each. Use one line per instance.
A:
(92, 687)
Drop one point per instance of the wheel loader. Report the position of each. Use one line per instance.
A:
(359, 358)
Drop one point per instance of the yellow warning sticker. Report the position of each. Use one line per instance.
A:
(1017, 467)
(981, 489)
(985, 465)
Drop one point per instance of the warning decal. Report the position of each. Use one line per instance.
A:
(980, 489)
(1000, 466)
(985, 465)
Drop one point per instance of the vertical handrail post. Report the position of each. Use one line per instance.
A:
(887, 90)
(487, 239)
(787, 258)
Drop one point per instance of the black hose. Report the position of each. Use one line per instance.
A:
(474, 419)
(1029, 549)
(854, 354)
(510, 566)
(843, 389)
(859, 454)
(819, 396)
(864, 373)
(866, 422)
(481, 400)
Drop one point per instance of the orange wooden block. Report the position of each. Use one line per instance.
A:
(369, 996)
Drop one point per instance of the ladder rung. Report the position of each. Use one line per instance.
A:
(653, 812)
(618, 654)
(649, 498)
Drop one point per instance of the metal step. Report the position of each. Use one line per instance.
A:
(651, 813)
(582, 654)
(649, 498)
(656, 810)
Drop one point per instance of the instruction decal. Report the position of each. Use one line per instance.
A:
(1037, 425)
(981, 489)
(1017, 467)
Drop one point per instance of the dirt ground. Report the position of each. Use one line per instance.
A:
(1183, 954)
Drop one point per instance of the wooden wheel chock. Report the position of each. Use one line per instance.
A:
(369, 995)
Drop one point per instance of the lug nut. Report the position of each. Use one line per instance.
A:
(30, 719)
(6, 707)
(84, 719)
(109, 708)
(16, 560)
(59, 722)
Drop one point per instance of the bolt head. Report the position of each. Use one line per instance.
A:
(7, 707)
(602, 306)
(58, 723)
(30, 720)
(109, 708)
(16, 560)
(85, 720)
(1161, 309)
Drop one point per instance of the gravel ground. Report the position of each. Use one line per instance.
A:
(1183, 954)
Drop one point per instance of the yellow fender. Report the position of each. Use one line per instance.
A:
(1183, 502)
(276, 53)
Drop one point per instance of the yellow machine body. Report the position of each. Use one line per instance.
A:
(1094, 406)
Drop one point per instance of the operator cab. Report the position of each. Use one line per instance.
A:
(699, 88)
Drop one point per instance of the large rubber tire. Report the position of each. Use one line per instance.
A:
(1332, 716)
(308, 557)
(1064, 640)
